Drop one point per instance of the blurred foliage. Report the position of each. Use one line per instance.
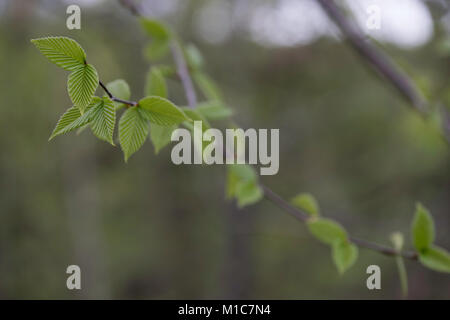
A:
(153, 230)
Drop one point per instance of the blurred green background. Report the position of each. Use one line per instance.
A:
(152, 230)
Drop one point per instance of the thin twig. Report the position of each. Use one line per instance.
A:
(131, 6)
(379, 61)
(113, 98)
(268, 193)
(281, 203)
(178, 57)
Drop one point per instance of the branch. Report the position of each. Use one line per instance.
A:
(376, 58)
(303, 216)
(184, 75)
(113, 98)
(268, 193)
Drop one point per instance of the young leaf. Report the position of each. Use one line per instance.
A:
(82, 83)
(435, 258)
(72, 119)
(207, 86)
(133, 130)
(307, 203)
(62, 51)
(214, 110)
(344, 255)
(422, 228)
(160, 136)
(161, 111)
(156, 84)
(120, 89)
(327, 230)
(160, 35)
(247, 193)
(103, 120)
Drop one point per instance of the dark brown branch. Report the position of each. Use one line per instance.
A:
(376, 58)
(113, 98)
(183, 73)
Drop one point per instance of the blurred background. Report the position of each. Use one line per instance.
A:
(152, 230)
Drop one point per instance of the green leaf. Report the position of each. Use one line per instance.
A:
(133, 130)
(72, 119)
(247, 193)
(160, 136)
(156, 50)
(82, 83)
(120, 89)
(161, 111)
(62, 51)
(435, 258)
(214, 110)
(156, 84)
(344, 255)
(307, 203)
(422, 228)
(231, 184)
(103, 120)
(208, 87)
(160, 35)
(327, 230)
(154, 28)
(243, 172)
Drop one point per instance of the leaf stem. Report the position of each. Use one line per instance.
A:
(268, 193)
